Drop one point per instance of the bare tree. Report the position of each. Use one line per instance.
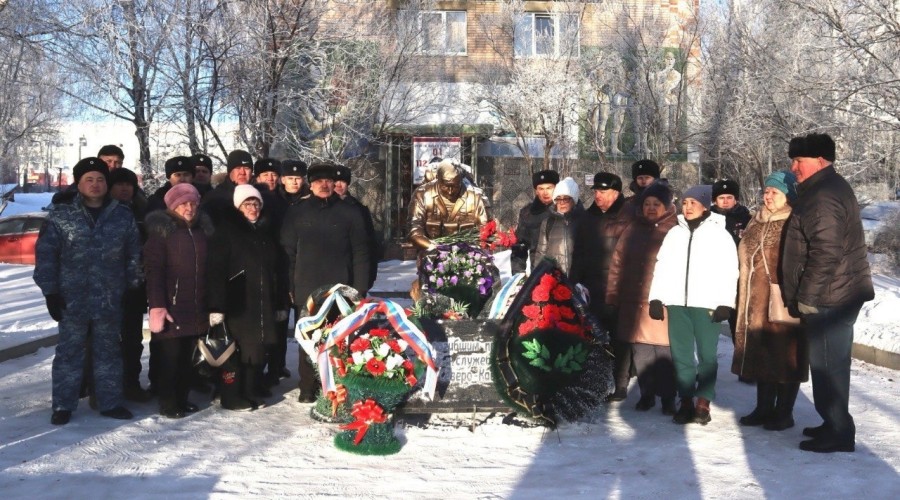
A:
(30, 107)
(109, 52)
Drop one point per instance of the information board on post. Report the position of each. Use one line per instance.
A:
(426, 148)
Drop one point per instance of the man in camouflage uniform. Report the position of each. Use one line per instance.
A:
(87, 256)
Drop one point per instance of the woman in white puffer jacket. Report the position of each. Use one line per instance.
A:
(695, 281)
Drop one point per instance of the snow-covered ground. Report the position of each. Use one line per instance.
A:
(279, 451)
(617, 452)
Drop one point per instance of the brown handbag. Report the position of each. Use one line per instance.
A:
(778, 313)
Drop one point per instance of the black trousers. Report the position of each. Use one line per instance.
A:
(173, 376)
(830, 337)
(655, 370)
(276, 355)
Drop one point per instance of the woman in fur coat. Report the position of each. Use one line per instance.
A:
(774, 355)
(175, 266)
(630, 275)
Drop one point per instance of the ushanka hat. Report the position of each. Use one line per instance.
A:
(180, 164)
(90, 164)
(342, 173)
(812, 146)
(645, 167)
(267, 165)
(318, 171)
(293, 168)
(726, 186)
(201, 160)
(239, 158)
(544, 177)
(606, 180)
(123, 175)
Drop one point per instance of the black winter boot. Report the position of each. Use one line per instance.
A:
(685, 412)
(765, 405)
(783, 417)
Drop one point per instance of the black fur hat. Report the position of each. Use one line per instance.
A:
(645, 167)
(726, 186)
(90, 164)
(812, 146)
(267, 165)
(239, 158)
(544, 177)
(180, 164)
(293, 168)
(342, 173)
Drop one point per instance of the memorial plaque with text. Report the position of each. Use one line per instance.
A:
(463, 355)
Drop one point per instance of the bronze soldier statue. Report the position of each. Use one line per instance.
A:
(445, 206)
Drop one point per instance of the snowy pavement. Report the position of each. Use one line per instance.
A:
(280, 451)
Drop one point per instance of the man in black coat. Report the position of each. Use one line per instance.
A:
(602, 224)
(341, 187)
(530, 218)
(218, 202)
(179, 169)
(726, 195)
(826, 280)
(325, 241)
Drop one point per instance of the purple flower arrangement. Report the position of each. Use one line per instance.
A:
(457, 264)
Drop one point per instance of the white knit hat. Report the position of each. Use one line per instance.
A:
(566, 187)
(244, 191)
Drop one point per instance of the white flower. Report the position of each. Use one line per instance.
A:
(368, 354)
(393, 361)
(358, 358)
(403, 344)
(383, 350)
(317, 335)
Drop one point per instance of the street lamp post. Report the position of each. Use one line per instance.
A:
(81, 142)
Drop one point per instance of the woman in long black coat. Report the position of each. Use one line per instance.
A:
(246, 290)
(175, 267)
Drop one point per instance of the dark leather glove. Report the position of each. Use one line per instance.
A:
(721, 314)
(657, 310)
(55, 306)
(793, 310)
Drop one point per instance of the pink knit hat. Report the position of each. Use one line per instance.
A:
(181, 193)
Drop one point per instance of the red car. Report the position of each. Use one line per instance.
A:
(18, 233)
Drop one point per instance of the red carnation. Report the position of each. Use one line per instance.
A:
(540, 294)
(375, 367)
(566, 312)
(394, 345)
(532, 311)
(407, 365)
(379, 332)
(360, 345)
(561, 293)
(551, 312)
(570, 328)
(548, 281)
(527, 327)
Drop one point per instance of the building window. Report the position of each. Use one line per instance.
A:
(443, 32)
(546, 35)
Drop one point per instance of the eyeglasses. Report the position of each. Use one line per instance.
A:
(564, 200)
(251, 204)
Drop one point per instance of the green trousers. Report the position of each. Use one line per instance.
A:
(691, 330)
